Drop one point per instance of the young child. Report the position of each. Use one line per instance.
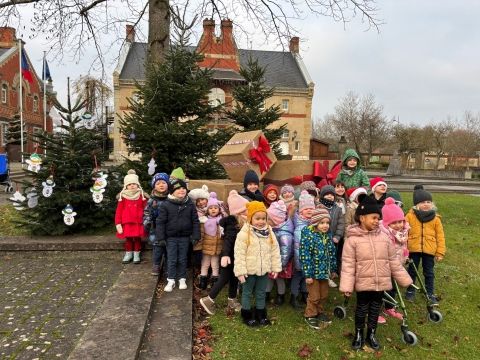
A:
(231, 226)
(337, 222)
(351, 174)
(287, 195)
(369, 262)
(256, 254)
(129, 217)
(211, 241)
(250, 189)
(311, 188)
(353, 194)
(199, 196)
(270, 194)
(426, 240)
(301, 218)
(341, 196)
(282, 227)
(379, 191)
(160, 182)
(177, 225)
(393, 225)
(319, 264)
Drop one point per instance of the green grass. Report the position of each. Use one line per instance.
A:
(7, 225)
(457, 283)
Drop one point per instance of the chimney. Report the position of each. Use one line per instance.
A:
(227, 29)
(294, 45)
(208, 27)
(130, 33)
(8, 37)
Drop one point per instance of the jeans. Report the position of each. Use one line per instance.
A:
(298, 283)
(226, 276)
(177, 254)
(158, 252)
(255, 285)
(428, 262)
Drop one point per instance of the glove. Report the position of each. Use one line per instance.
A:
(225, 261)
(119, 228)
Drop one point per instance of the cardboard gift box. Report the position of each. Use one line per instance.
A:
(221, 186)
(244, 151)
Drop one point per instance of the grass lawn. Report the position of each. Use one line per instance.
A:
(457, 284)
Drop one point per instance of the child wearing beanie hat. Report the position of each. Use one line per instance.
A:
(231, 226)
(287, 195)
(257, 254)
(426, 240)
(379, 190)
(129, 217)
(352, 175)
(160, 182)
(282, 227)
(270, 194)
(251, 184)
(319, 264)
(368, 265)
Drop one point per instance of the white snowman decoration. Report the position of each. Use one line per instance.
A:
(18, 199)
(68, 215)
(34, 163)
(100, 180)
(48, 186)
(32, 197)
(89, 121)
(97, 194)
(151, 166)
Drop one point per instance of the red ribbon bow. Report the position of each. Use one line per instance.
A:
(259, 154)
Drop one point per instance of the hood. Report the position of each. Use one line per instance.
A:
(356, 230)
(350, 153)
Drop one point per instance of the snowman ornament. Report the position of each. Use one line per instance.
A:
(32, 197)
(89, 121)
(151, 166)
(48, 186)
(100, 180)
(97, 193)
(68, 215)
(34, 163)
(18, 200)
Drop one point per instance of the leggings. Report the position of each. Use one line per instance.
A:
(226, 276)
(133, 244)
(210, 260)
(368, 302)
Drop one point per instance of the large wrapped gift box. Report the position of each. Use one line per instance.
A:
(294, 172)
(221, 186)
(244, 151)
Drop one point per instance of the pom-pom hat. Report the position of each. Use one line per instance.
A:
(130, 178)
(212, 200)
(420, 195)
(354, 192)
(367, 205)
(236, 203)
(305, 201)
(376, 181)
(391, 212)
(277, 212)
(318, 215)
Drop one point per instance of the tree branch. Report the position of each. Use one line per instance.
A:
(17, 2)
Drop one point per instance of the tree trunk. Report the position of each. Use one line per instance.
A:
(158, 30)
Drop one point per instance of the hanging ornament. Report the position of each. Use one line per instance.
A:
(34, 163)
(97, 194)
(32, 197)
(100, 180)
(48, 186)
(18, 200)
(132, 136)
(89, 121)
(151, 166)
(68, 215)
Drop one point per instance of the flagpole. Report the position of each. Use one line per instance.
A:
(21, 94)
(44, 91)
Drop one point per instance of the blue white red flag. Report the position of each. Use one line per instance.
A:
(26, 73)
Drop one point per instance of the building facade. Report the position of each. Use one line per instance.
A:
(284, 71)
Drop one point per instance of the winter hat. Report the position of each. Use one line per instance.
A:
(254, 207)
(199, 193)
(287, 188)
(420, 195)
(318, 215)
(250, 177)
(178, 174)
(212, 200)
(236, 203)
(391, 212)
(354, 192)
(396, 196)
(277, 212)
(305, 201)
(310, 187)
(176, 184)
(327, 189)
(160, 176)
(130, 178)
(367, 205)
(376, 181)
(269, 188)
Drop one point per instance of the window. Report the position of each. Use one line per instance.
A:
(285, 105)
(284, 148)
(216, 97)
(4, 95)
(35, 103)
(3, 133)
(285, 134)
(297, 145)
(36, 130)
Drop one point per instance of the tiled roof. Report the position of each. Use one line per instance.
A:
(281, 69)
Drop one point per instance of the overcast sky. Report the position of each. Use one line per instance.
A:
(423, 65)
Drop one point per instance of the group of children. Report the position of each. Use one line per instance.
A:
(274, 238)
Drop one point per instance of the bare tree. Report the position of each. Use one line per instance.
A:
(323, 129)
(436, 137)
(95, 92)
(410, 141)
(464, 141)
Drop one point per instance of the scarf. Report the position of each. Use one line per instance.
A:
(348, 171)
(257, 195)
(327, 203)
(263, 233)
(133, 194)
(177, 200)
(211, 225)
(424, 216)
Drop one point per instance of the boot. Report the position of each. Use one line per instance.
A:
(261, 316)
(127, 257)
(280, 299)
(371, 339)
(136, 257)
(202, 282)
(248, 317)
(357, 342)
(294, 302)
(304, 297)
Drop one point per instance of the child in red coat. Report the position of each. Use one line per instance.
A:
(129, 217)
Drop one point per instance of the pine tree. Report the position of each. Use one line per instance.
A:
(71, 157)
(168, 118)
(250, 112)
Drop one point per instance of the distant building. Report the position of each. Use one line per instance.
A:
(285, 71)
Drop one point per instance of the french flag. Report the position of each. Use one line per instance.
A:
(26, 73)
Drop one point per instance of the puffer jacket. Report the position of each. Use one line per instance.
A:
(427, 237)
(150, 214)
(284, 235)
(369, 261)
(317, 253)
(355, 179)
(178, 218)
(299, 223)
(255, 255)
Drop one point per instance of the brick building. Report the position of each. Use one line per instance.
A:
(9, 96)
(284, 70)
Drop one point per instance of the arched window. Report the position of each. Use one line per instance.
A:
(4, 94)
(216, 97)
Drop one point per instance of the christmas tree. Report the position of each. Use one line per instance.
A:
(60, 185)
(169, 117)
(250, 112)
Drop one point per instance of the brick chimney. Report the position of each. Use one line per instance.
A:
(8, 37)
(130, 33)
(227, 30)
(295, 45)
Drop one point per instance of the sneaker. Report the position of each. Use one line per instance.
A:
(234, 304)
(393, 313)
(381, 320)
(182, 284)
(170, 285)
(127, 257)
(312, 322)
(410, 295)
(208, 304)
(332, 283)
(433, 299)
(155, 270)
(324, 318)
(136, 257)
